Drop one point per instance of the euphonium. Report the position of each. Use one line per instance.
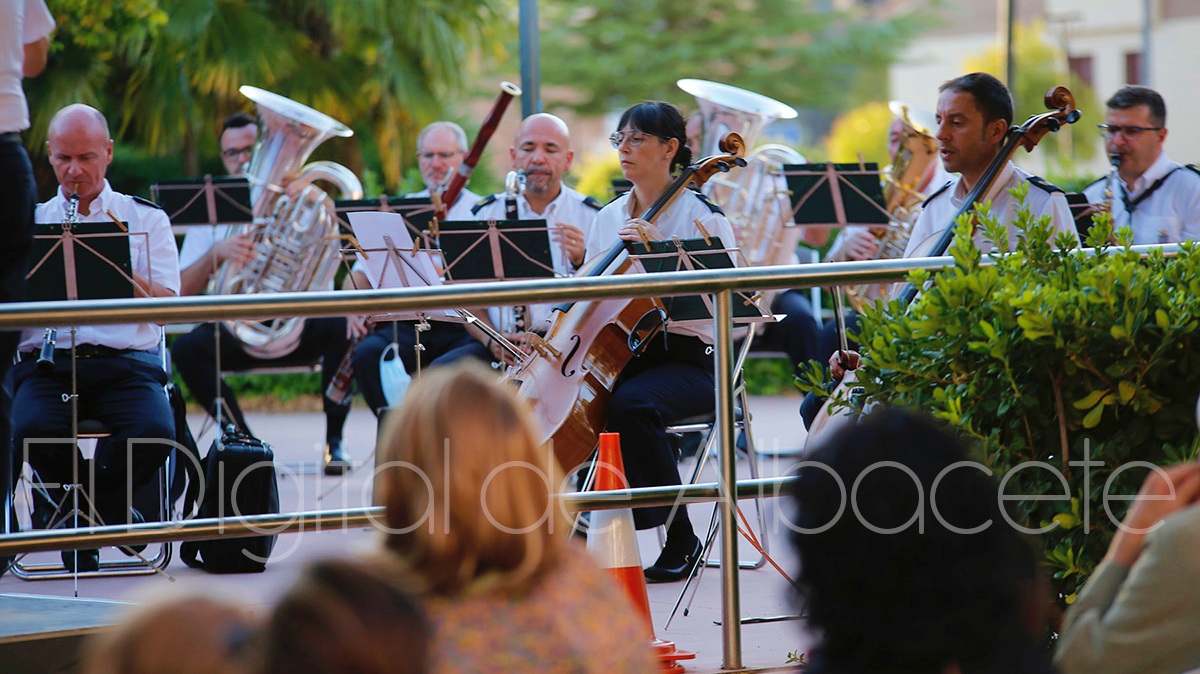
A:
(295, 231)
(902, 194)
(754, 197)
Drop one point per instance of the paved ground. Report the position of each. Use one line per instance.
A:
(297, 439)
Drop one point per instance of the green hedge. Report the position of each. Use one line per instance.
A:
(1043, 359)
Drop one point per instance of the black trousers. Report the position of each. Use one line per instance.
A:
(18, 196)
(670, 381)
(443, 343)
(126, 394)
(194, 357)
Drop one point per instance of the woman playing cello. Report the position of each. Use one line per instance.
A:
(673, 378)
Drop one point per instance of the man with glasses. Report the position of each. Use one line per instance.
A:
(1158, 198)
(974, 112)
(441, 148)
(203, 252)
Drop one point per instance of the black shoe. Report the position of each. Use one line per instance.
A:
(673, 566)
(89, 560)
(337, 461)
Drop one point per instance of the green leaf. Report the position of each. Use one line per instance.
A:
(1127, 390)
(1092, 419)
(1089, 401)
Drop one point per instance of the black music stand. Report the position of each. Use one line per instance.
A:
(496, 250)
(97, 252)
(693, 254)
(858, 199)
(205, 201)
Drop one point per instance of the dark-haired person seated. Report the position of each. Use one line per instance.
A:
(906, 562)
(974, 113)
(1157, 197)
(672, 378)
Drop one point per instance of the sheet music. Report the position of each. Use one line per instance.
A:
(403, 268)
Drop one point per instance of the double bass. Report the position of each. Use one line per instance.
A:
(570, 374)
(1061, 104)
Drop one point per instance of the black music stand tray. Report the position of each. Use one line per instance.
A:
(496, 250)
(205, 201)
(691, 254)
(858, 199)
(96, 251)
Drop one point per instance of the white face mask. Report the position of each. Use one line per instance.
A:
(392, 375)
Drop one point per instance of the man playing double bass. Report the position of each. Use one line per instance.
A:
(973, 113)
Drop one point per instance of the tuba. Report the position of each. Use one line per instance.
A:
(295, 231)
(755, 197)
(912, 160)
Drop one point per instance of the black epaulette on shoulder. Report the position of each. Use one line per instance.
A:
(712, 206)
(1045, 185)
(147, 202)
(1192, 168)
(593, 202)
(936, 192)
(491, 198)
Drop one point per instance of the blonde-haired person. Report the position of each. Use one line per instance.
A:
(472, 517)
(174, 635)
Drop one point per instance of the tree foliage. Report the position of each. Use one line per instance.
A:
(1046, 358)
(166, 71)
(616, 52)
(1041, 66)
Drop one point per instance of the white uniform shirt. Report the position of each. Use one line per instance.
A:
(22, 22)
(153, 255)
(677, 220)
(570, 208)
(1170, 214)
(940, 209)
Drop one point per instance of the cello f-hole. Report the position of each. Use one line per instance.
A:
(570, 356)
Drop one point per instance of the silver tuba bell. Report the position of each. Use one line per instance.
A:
(295, 231)
(755, 197)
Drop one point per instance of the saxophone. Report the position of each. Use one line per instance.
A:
(902, 197)
(295, 231)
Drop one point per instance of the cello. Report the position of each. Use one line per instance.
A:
(570, 373)
(1061, 104)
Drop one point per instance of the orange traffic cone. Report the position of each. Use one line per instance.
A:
(613, 541)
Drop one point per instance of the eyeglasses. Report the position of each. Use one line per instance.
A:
(1130, 132)
(235, 152)
(444, 156)
(635, 138)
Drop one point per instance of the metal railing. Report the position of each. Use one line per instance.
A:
(719, 283)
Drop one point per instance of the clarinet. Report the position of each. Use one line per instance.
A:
(45, 361)
(514, 187)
